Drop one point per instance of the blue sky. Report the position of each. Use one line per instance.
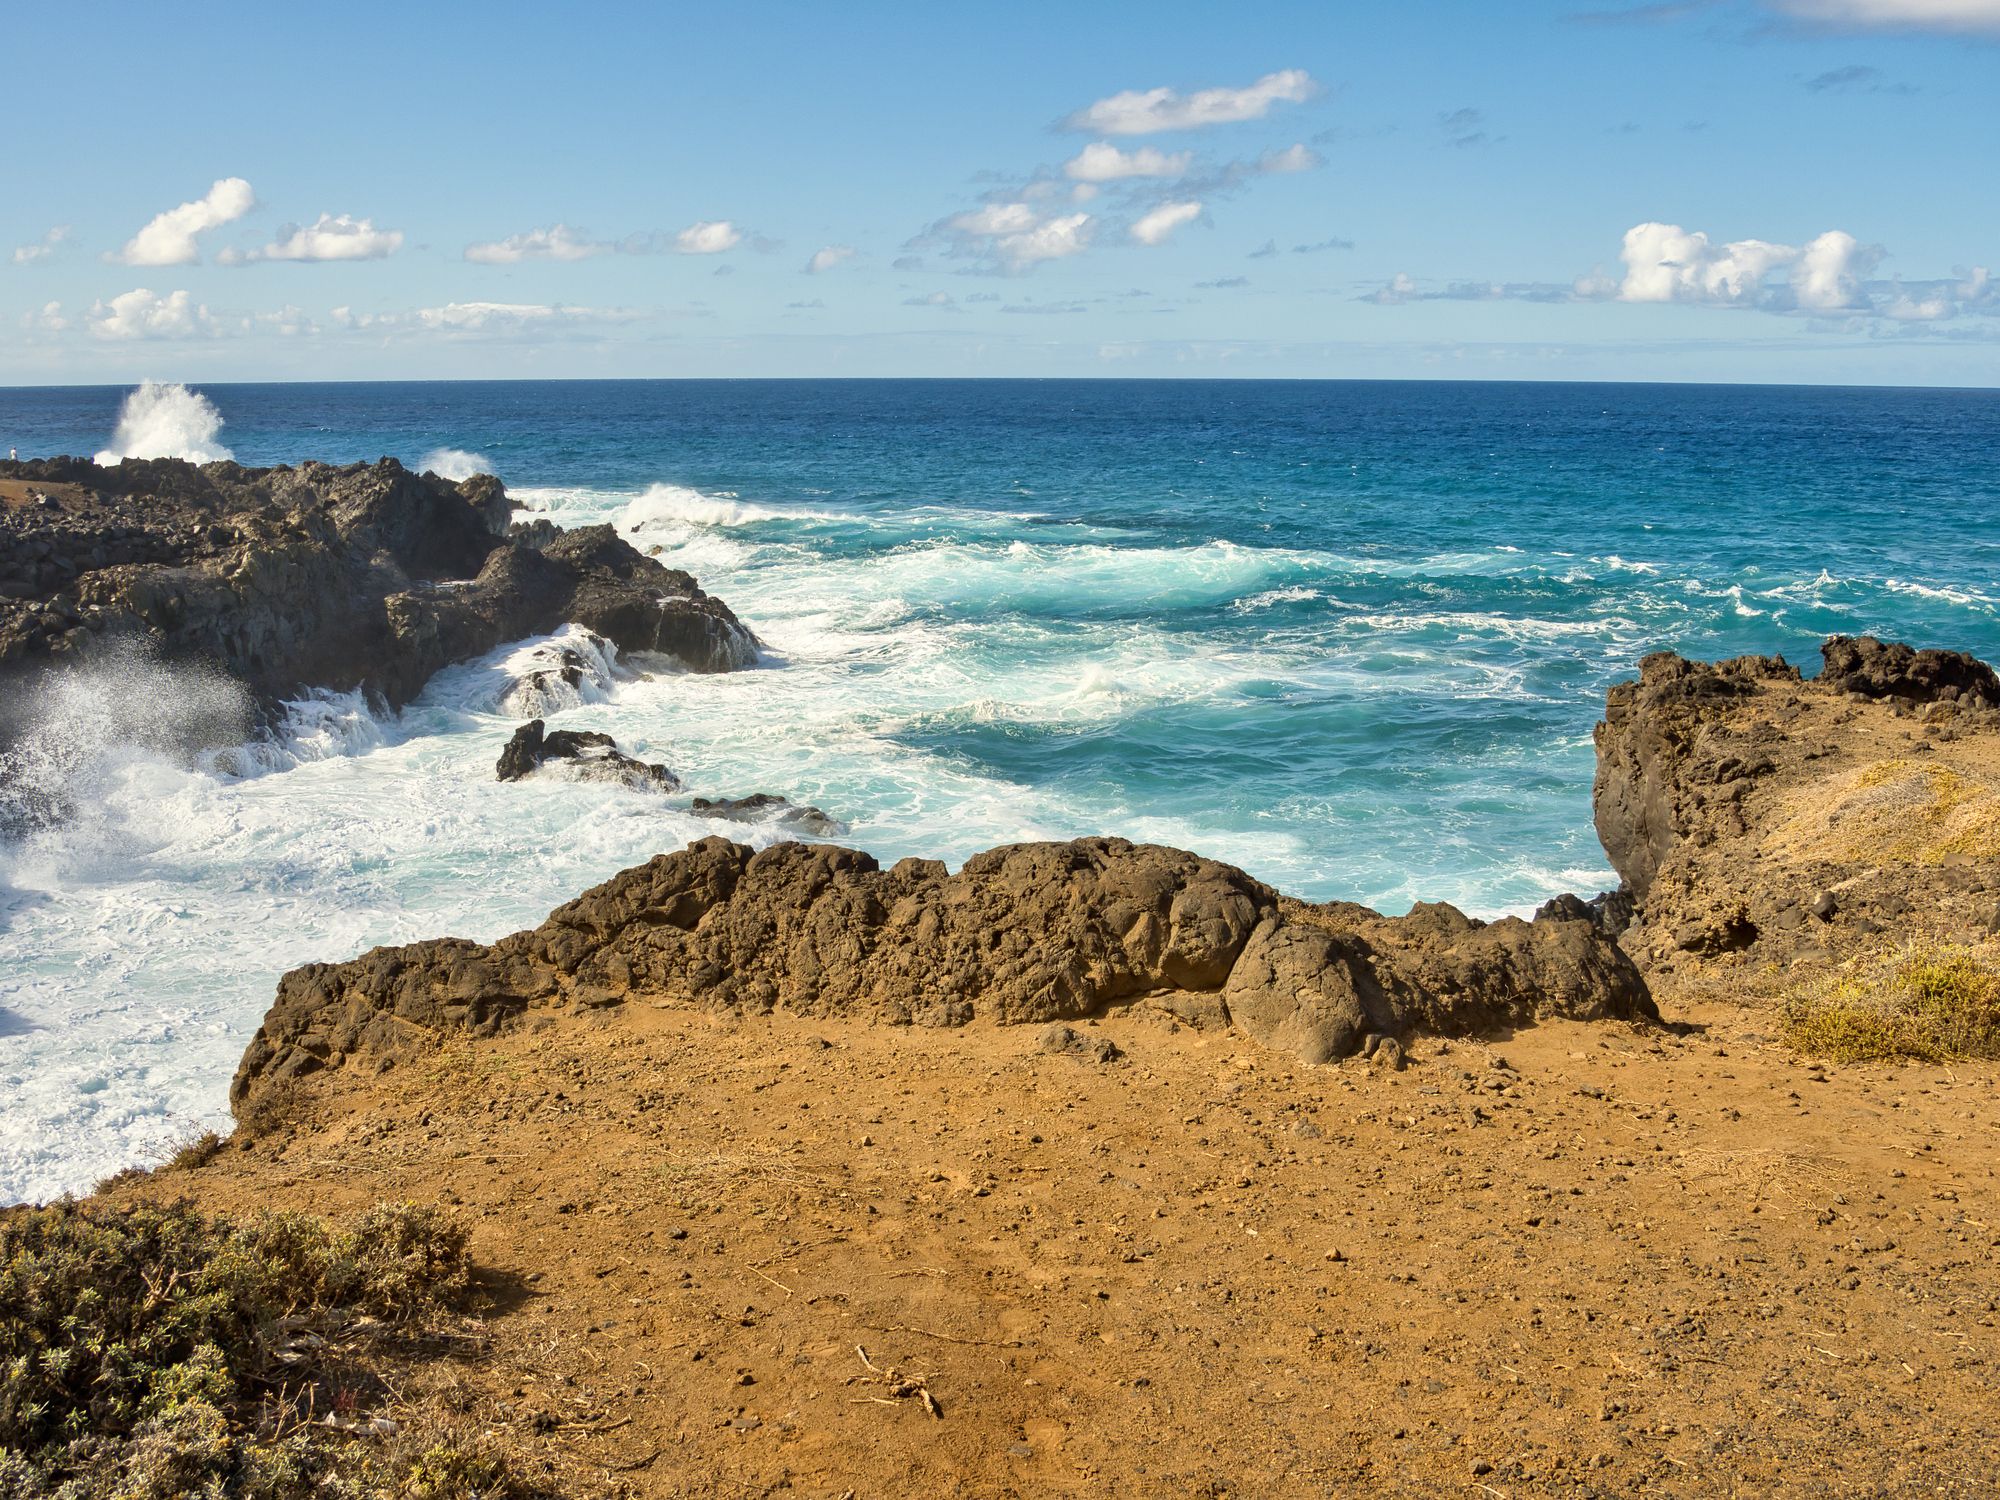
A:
(1787, 190)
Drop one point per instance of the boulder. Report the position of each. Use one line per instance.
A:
(584, 754)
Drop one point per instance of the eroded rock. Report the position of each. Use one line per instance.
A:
(362, 576)
(1024, 934)
(583, 753)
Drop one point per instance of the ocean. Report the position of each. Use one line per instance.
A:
(1350, 636)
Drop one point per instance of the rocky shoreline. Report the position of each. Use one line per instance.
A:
(1105, 1092)
(364, 577)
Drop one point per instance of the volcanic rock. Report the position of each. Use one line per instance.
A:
(585, 753)
(762, 807)
(1737, 799)
(1023, 934)
(363, 576)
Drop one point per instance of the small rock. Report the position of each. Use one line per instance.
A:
(1824, 905)
(1067, 1041)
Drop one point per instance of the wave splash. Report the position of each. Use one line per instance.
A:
(166, 420)
(455, 463)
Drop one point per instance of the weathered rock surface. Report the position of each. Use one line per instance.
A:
(1024, 934)
(363, 576)
(583, 753)
(1759, 817)
(768, 807)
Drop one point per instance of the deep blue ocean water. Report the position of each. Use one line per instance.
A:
(1351, 636)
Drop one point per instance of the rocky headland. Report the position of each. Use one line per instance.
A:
(365, 576)
(1098, 1167)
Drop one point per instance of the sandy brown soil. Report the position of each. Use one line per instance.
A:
(1587, 1260)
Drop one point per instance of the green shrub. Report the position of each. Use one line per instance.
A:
(1928, 1000)
(143, 1351)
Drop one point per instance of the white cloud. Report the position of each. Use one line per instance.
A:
(1299, 158)
(996, 219)
(1103, 162)
(933, 299)
(1666, 263)
(1148, 111)
(1052, 239)
(169, 239)
(1400, 289)
(42, 249)
(827, 257)
(1831, 270)
(708, 237)
(46, 319)
(1913, 15)
(1014, 235)
(1157, 226)
(142, 314)
(558, 242)
(330, 237)
(479, 315)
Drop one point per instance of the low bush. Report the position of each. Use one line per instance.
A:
(153, 1351)
(1929, 1000)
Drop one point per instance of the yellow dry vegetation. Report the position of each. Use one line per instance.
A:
(1899, 811)
(1930, 1000)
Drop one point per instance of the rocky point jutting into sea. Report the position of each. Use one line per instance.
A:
(785, 1172)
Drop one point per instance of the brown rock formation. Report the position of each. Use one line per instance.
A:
(1029, 933)
(1758, 817)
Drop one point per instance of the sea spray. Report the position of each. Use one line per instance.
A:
(455, 463)
(162, 420)
(79, 726)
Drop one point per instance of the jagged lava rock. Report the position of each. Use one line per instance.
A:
(363, 576)
(1023, 934)
(586, 753)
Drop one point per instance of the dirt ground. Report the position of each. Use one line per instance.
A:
(770, 1256)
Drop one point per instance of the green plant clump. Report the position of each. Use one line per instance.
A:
(1929, 1000)
(151, 1352)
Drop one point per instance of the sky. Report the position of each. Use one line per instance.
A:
(1717, 190)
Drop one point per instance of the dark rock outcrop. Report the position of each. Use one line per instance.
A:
(1024, 934)
(768, 807)
(363, 576)
(1757, 817)
(584, 753)
(1890, 669)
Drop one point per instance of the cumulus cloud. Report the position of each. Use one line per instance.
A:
(936, 300)
(1149, 111)
(1012, 235)
(557, 242)
(708, 237)
(1103, 162)
(1911, 15)
(1830, 278)
(169, 239)
(330, 237)
(43, 248)
(48, 318)
(1157, 226)
(1666, 263)
(827, 257)
(1320, 246)
(143, 314)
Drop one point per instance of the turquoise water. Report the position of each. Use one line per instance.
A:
(1352, 637)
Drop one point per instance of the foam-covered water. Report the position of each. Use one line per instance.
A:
(1350, 637)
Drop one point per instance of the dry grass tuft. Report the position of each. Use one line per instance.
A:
(1929, 1000)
